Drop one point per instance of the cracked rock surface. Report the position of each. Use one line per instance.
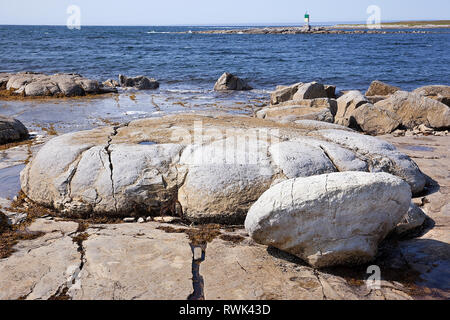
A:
(140, 261)
(41, 267)
(134, 261)
(211, 168)
(50, 265)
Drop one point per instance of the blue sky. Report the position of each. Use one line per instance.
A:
(214, 12)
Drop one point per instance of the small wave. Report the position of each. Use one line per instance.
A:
(184, 91)
(159, 32)
(131, 113)
(261, 91)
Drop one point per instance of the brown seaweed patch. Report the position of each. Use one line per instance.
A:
(197, 236)
(50, 130)
(10, 238)
(232, 238)
(109, 122)
(11, 95)
(4, 225)
(16, 144)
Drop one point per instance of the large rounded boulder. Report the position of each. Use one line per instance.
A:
(331, 219)
(206, 168)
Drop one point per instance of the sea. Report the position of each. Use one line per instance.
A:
(187, 65)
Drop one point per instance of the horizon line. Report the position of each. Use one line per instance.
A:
(212, 24)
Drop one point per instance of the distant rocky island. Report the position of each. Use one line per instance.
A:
(403, 25)
(304, 30)
(385, 28)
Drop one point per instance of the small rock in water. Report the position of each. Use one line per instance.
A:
(139, 82)
(129, 220)
(229, 81)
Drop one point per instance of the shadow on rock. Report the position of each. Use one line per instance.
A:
(422, 266)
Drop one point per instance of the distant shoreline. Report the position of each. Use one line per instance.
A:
(438, 24)
(313, 30)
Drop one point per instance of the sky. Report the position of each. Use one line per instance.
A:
(215, 12)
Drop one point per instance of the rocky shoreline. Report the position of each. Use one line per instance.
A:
(287, 201)
(38, 85)
(303, 30)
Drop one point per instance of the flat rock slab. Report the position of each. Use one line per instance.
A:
(134, 261)
(140, 261)
(210, 169)
(41, 268)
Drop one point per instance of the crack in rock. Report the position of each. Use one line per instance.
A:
(109, 152)
(198, 282)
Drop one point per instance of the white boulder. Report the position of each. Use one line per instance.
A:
(330, 219)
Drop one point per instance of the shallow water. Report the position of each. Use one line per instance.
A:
(187, 66)
(419, 148)
(67, 115)
(10, 181)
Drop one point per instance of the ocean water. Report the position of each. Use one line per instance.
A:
(188, 64)
(183, 61)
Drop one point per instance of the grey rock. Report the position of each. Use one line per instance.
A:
(375, 120)
(57, 85)
(283, 94)
(312, 90)
(440, 93)
(413, 109)
(332, 219)
(139, 82)
(107, 171)
(11, 130)
(228, 81)
(413, 219)
(380, 156)
(134, 262)
(298, 159)
(378, 88)
(41, 268)
(346, 105)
